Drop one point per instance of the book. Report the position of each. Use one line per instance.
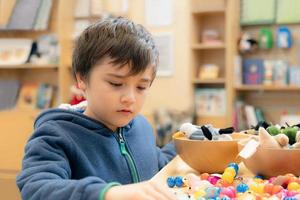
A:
(210, 102)
(294, 74)
(240, 123)
(43, 15)
(28, 96)
(44, 96)
(268, 72)
(250, 116)
(253, 71)
(259, 115)
(24, 15)
(9, 90)
(280, 73)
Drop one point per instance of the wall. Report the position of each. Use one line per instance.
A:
(174, 92)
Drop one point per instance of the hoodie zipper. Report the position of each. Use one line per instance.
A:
(128, 156)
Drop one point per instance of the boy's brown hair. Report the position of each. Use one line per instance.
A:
(118, 38)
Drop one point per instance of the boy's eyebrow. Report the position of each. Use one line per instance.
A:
(124, 76)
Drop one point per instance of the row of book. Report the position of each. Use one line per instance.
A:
(270, 72)
(246, 116)
(13, 94)
(210, 102)
(30, 15)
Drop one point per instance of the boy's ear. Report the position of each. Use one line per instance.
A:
(81, 82)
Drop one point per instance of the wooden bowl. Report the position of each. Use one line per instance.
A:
(208, 156)
(271, 162)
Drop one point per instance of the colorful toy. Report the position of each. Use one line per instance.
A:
(171, 182)
(266, 140)
(205, 132)
(291, 133)
(175, 181)
(284, 37)
(242, 188)
(265, 38)
(247, 43)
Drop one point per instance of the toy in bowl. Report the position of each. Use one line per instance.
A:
(211, 156)
(271, 158)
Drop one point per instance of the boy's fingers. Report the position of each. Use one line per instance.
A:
(166, 192)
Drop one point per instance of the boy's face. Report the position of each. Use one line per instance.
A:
(114, 98)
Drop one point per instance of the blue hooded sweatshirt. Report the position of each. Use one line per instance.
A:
(72, 156)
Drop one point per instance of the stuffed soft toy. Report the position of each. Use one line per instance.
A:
(266, 140)
(205, 132)
(285, 136)
(297, 144)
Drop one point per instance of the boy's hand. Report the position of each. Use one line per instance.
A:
(149, 190)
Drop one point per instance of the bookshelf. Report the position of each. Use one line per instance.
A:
(17, 123)
(215, 16)
(61, 25)
(273, 99)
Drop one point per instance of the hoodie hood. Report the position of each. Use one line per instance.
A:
(77, 117)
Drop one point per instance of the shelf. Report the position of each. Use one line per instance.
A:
(209, 81)
(208, 11)
(266, 88)
(29, 66)
(92, 18)
(203, 46)
(23, 31)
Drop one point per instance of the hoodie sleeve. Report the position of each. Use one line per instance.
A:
(166, 154)
(46, 172)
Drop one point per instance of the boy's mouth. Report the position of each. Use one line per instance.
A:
(125, 111)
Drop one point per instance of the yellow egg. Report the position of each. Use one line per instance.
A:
(228, 177)
(230, 170)
(199, 193)
(293, 186)
(258, 180)
(257, 188)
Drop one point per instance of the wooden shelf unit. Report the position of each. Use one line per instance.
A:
(213, 15)
(273, 100)
(61, 25)
(17, 125)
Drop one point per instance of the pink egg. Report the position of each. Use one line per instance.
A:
(271, 179)
(213, 179)
(228, 192)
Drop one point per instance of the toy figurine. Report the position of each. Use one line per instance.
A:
(208, 131)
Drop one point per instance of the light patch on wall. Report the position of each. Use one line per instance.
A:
(159, 12)
(164, 43)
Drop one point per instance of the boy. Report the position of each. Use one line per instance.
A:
(88, 155)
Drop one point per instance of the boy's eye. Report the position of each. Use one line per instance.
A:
(115, 84)
(141, 88)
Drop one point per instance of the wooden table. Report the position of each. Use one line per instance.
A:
(177, 167)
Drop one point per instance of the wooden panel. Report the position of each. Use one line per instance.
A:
(204, 6)
(215, 121)
(16, 127)
(65, 31)
(8, 188)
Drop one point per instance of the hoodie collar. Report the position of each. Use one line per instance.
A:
(77, 117)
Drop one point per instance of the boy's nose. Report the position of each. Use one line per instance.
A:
(128, 97)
